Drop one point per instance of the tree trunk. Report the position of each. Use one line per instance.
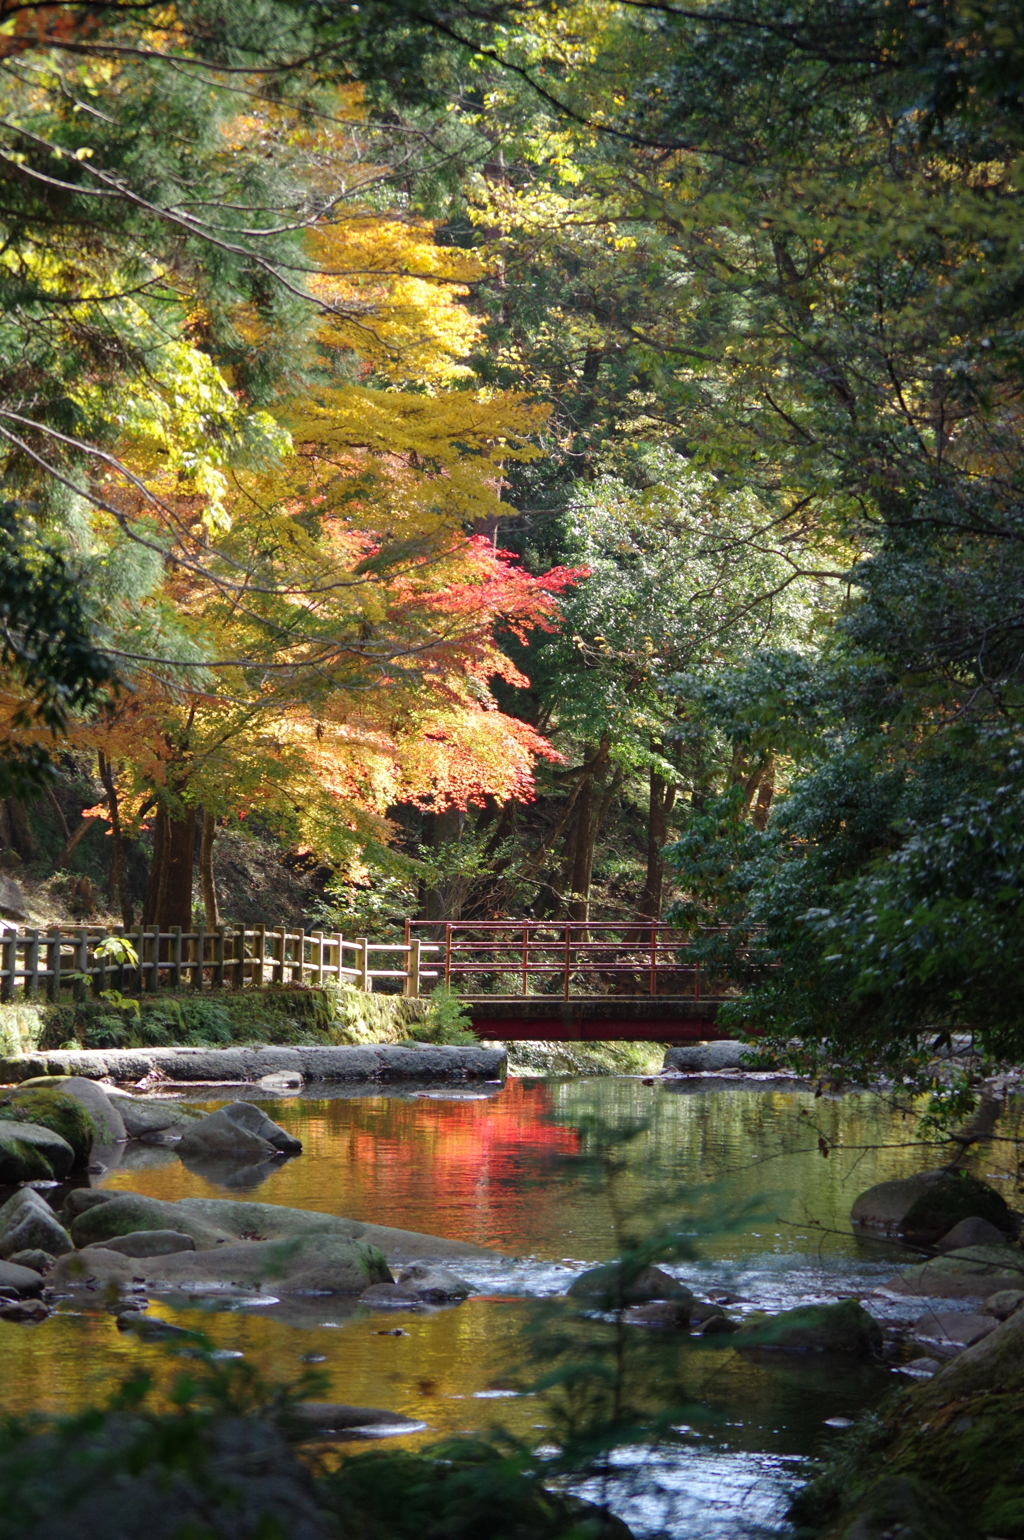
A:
(594, 803)
(117, 887)
(765, 793)
(206, 874)
(169, 893)
(22, 837)
(443, 899)
(660, 802)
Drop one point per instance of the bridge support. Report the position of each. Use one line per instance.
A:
(594, 1019)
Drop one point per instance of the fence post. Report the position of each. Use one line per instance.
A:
(340, 939)
(318, 941)
(10, 960)
(218, 958)
(154, 972)
(99, 982)
(81, 964)
(363, 964)
(53, 964)
(448, 954)
(175, 956)
(140, 952)
(260, 949)
(412, 968)
(32, 964)
(568, 959)
(526, 957)
(277, 955)
(238, 971)
(654, 959)
(197, 972)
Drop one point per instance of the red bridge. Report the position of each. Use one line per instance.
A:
(572, 981)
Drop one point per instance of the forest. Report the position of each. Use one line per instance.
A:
(485, 458)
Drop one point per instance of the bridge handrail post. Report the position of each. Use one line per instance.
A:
(654, 958)
(568, 959)
(448, 954)
(412, 968)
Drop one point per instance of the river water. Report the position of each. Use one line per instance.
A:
(551, 1175)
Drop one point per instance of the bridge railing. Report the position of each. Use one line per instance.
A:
(503, 957)
(88, 959)
(520, 957)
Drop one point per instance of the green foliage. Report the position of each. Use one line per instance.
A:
(446, 1021)
(191, 1020)
(47, 642)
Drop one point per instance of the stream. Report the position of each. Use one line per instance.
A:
(549, 1174)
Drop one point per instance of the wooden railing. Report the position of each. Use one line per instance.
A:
(506, 957)
(520, 957)
(37, 963)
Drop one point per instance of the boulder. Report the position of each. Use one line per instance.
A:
(717, 1326)
(249, 1115)
(390, 1296)
(927, 1206)
(974, 1273)
(47, 1106)
(149, 1243)
(106, 1119)
(240, 1132)
(1004, 1303)
(903, 1508)
(13, 903)
(28, 1312)
(996, 1363)
(29, 1153)
(970, 1232)
(706, 1058)
(28, 1222)
(274, 1220)
(956, 1196)
(843, 1328)
(15, 1279)
(37, 1261)
(141, 1117)
(948, 1331)
(665, 1314)
(606, 1288)
(219, 1221)
(81, 1198)
(125, 1476)
(437, 1285)
(128, 1212)
(311, 1264)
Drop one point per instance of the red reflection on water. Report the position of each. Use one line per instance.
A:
(471, 1170)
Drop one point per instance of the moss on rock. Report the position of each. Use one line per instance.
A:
(956, 1437)
(52, 1109)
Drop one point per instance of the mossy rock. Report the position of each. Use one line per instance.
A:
(845, 1328)
(957, 1195)
(52, 1109)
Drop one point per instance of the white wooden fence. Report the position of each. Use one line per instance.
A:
(35, 964)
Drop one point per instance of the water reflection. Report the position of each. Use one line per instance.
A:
(509, 1172)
